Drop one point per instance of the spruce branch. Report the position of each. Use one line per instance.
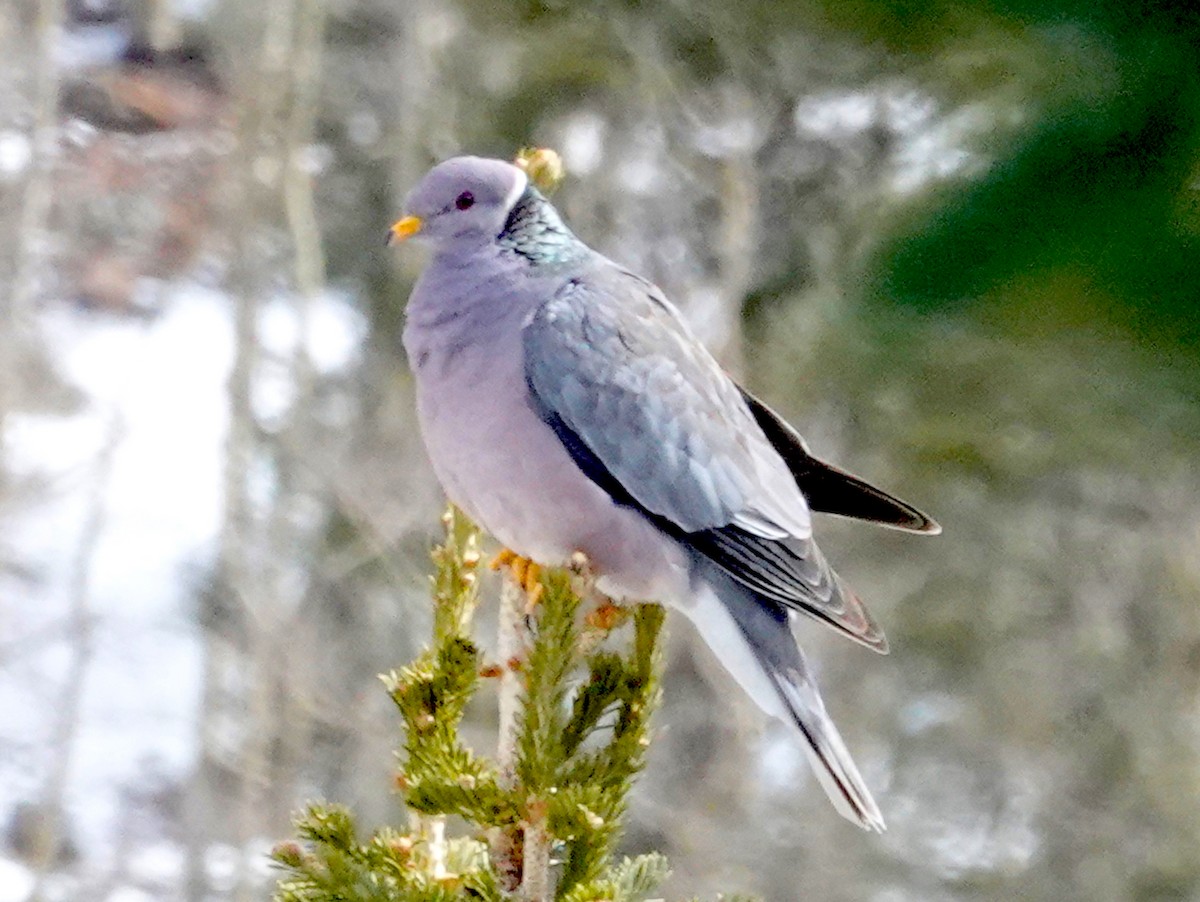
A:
(332, 864)
(629, 881)
(584, 688)
(506, 839)
(580, 778)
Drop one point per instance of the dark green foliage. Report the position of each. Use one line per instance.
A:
(546, 685)
(582, 738)
(389, 867)
(441, 775)
(1087, 214)
(584, 786)
(631, 879)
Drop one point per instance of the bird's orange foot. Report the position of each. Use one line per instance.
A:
(503, 558)
(525, 573)
(607, 616)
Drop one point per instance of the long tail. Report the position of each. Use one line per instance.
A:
(753, 639)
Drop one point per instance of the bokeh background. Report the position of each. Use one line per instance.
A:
(957, 243)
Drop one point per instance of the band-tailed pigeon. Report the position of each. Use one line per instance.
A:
(567, 407)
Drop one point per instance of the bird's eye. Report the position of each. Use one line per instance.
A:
(465, 201)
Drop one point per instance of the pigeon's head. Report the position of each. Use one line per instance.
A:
(465, 200)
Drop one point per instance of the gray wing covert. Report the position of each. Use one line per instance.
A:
(649, 416)
(619, 371)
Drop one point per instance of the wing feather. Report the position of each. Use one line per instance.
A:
(650, 417)
(831, 490)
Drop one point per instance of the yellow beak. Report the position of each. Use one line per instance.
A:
(404, 228)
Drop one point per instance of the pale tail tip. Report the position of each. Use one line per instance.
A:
(870, 820)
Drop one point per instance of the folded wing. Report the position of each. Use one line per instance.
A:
(650, 417)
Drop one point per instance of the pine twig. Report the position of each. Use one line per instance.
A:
(577, 694)
(510, 646)
(535, 870)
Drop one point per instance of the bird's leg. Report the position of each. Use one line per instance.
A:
(525, 573)
(607, 614)
(511, 645)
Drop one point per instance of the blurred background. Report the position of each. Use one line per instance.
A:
(957, 243)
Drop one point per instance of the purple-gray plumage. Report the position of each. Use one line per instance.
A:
(567, 407)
